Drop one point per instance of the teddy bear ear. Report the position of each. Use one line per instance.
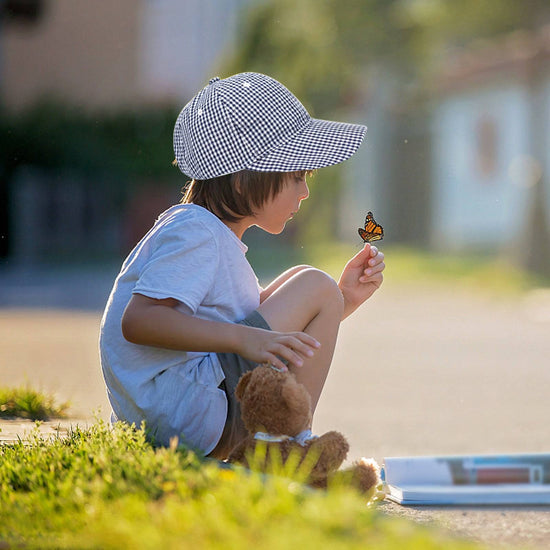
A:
(241, 386)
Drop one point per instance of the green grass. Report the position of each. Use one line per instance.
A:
(24, 402)
(486, 273)
(492, 275)
(108, 488)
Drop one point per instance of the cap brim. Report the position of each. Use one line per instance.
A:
(320, 143)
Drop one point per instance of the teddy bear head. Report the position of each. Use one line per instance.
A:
(273, 402)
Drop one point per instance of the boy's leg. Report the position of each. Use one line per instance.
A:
(311, 302)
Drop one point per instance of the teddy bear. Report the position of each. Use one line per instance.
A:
(276, 411)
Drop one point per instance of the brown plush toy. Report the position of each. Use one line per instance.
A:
(276, 411)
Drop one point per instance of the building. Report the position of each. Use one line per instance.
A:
(491, 145)
(100, 57)
(467, 168)
(111, 54)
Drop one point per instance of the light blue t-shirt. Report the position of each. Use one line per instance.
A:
(192, 256)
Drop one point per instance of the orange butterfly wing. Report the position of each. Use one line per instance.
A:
(373, 231)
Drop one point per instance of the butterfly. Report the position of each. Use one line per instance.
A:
(373, 231)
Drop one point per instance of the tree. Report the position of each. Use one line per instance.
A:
(320, 47)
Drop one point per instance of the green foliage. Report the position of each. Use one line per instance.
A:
(297, 43)
(108, 488)
(321, 48)
(118, 145)
(27, 403)
(489, 274)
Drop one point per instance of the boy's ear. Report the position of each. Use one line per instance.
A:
(241, 386)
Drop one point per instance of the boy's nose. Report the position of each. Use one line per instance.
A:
(305, 192)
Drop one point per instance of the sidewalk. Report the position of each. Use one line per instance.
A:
(12, 431)
(57, 288)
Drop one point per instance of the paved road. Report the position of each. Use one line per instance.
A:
(429, 372)
(77, 288)
(416, 372)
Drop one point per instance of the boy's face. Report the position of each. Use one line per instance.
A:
(274, 214)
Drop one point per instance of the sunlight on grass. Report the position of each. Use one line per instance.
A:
(491, 275)
(485, 273)
(109, 488)
(24, 402)
(268, 459)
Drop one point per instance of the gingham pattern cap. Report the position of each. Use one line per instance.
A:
(250, 121)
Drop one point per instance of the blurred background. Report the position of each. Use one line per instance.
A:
(456, 97)
(455, 166)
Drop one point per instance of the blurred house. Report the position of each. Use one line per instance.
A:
(110, 54)
(491, 145)
(466, 168)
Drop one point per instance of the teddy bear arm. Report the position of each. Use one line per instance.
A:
(332, 449)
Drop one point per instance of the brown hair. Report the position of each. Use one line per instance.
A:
(234, 196)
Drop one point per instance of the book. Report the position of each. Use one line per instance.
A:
(510, 479)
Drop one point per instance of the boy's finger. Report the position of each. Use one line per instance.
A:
(276, 363)
(302, 348)
(295, 354)
(308, 339)
(375, 268)
(361, 256)
(379, 258)
(294, 350)
(289, 356)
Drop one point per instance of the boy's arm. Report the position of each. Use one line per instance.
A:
(280, 280)
(150, 322)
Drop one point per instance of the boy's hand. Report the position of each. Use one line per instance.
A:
(361, 277)
(267, 346)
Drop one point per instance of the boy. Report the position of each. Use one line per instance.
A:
(187, 317)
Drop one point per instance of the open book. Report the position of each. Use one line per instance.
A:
(462, 480)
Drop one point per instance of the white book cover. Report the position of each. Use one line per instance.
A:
(468, 480)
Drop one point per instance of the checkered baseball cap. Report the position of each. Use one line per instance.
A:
(250, 121)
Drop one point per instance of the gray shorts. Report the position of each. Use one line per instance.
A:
(234, 366)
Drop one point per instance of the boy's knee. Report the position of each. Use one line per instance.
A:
(325, 285)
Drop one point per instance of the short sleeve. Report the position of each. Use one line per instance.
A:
(181, 264)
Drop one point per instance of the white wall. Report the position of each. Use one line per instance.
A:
(472, 208)
(182, 41)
